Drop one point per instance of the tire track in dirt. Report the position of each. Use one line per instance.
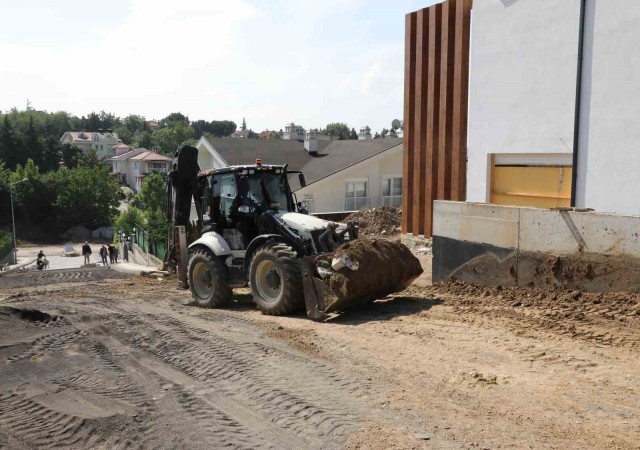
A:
(217, 426)
(48, 344)
(220, 362)
(36, 278)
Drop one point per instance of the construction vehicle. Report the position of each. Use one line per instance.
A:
(250, 229)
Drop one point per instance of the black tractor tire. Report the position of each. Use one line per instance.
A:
(207, 276)
(276, 280)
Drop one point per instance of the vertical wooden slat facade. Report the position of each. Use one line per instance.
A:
(435, 110)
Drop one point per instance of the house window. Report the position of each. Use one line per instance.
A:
(392, 191)
(136, 165)
(157, 167)
(356, 195)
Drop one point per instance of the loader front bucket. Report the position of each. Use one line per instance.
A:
(373, 270)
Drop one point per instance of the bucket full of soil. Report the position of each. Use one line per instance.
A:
(368, 269)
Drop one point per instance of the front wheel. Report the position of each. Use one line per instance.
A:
(208, 280)
(276, 280)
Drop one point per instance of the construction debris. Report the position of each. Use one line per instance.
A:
(384, 221)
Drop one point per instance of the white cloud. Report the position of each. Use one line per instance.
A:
(159, 50)
(370, 76)
(345, 85)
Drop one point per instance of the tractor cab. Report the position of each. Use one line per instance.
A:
(233, 200)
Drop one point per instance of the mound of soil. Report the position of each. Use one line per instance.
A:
(385, 267)
(585, 272)
(377, 221)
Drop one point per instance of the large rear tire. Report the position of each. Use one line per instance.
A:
(276, 280)
(208, 280)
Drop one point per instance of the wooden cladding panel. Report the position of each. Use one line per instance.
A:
(409, 102)
(435, 110)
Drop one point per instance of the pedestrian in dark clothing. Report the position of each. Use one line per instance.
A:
(112, 253)
(86, 252)
(103, 254)
(115, 253)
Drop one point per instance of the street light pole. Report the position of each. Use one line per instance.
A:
(13, 220)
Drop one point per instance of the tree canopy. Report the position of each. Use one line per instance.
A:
(337, 130)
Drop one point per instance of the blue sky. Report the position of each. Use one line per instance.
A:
(273, 62)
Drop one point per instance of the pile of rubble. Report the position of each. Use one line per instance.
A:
(384, 221)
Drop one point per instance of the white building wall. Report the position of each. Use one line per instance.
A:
(609, 154)
(327, 195)
(522, 82)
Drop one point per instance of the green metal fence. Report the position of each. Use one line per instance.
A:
(156, 248)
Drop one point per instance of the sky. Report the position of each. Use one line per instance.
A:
(271, 62)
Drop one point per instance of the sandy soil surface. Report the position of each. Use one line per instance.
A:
(101, 360)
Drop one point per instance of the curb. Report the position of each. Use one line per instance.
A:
(14, 268)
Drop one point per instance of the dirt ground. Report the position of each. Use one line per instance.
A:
(95, 359)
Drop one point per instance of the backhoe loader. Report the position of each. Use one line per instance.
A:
(250, 229)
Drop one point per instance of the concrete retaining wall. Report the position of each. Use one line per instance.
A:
(139, 256)
(466, 231)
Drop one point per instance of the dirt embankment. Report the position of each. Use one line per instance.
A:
(384, 221)
(585, 272)
(611, 318)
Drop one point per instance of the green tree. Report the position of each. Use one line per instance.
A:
(167, 140)
(34, 148)
(143, 139)
(91, 159)
(338, 130)
(52, 154)
(276, 134)
(222, 128)
(71, 155)
(174, 119)
(34, 197)
(244, 125)
(384, 133)
(89, 196)
(152, 193)
(127, 220)
(353, 135)
(124, 134)
(376, 136)
(9, 149)
(157, 225)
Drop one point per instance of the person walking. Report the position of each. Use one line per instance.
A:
(103, 254)
(86, 252)
(112, 252)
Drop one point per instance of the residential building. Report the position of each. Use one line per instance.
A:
(365, 133)
(153, 124)
(240, 134)
(132, 167)
(293, 132)
(103, 143)
(522, 108)
(340, 175)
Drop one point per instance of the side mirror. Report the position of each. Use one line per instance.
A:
(303, 183)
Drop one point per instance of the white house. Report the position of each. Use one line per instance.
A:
(293, 132)
(103, 143)
(340, 175)
(524, 76)
(133, 166)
